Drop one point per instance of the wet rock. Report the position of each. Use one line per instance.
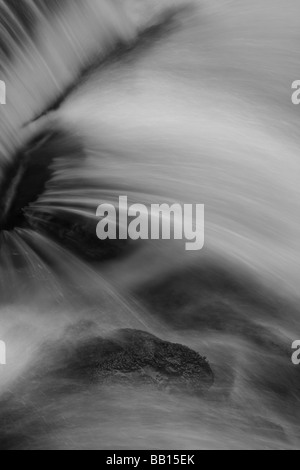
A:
(132, 357)
(87, 365)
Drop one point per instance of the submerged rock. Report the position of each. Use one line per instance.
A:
(77, 371)
(132, 357)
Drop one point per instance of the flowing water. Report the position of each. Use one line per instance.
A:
(160, 101)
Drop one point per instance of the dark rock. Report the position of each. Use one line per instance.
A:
(86, 365)
(132, 357)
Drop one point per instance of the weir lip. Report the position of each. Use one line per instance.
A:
(25, 179)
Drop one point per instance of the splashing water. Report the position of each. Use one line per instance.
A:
(160, 103)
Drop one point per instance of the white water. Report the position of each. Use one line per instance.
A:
(204, 115)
